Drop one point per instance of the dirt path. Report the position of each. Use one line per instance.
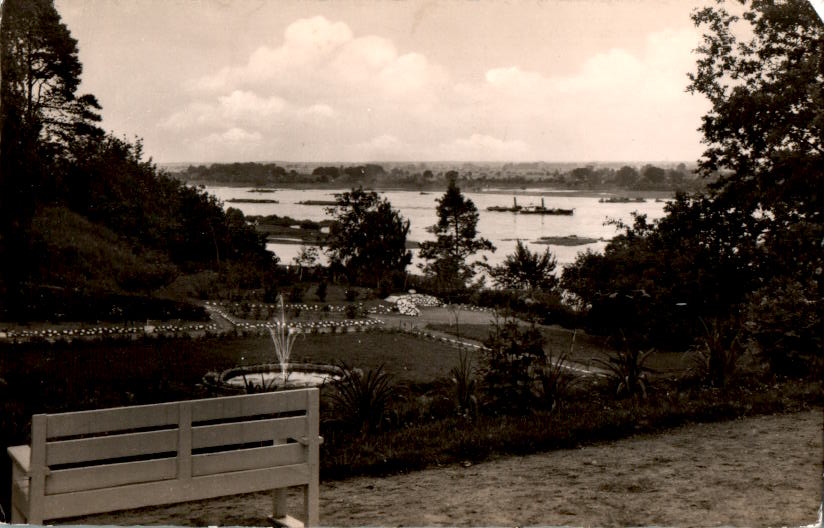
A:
(763, 471)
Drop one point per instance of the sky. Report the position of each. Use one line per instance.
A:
(207, 81)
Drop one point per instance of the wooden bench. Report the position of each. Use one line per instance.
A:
(89, 462)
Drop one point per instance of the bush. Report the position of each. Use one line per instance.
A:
(784, 320)
(509, 370)
(717, 351)
(350, 295)
(546, 308)
(463, 378)
(627, 371)
(296, 293)
(361, 400)
(320, 291)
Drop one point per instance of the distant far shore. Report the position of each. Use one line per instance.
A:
(532, 189)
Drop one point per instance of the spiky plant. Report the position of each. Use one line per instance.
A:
(627, 371)
(463, 378)
(717, 351)
(554, 376)
(362, 398)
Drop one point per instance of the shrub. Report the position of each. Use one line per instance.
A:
(463, 378)
(320, 291)
(350, 295)
(627, 371)
(296, 293)
(351, 311)
(508, 372)
(361, 400)
(784, 320)
(554, 377)
(717, 351)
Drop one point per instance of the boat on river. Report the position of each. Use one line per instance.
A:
(504, 209)
(531, 209)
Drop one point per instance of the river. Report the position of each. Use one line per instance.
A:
(502, 229)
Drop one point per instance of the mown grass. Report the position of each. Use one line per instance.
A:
(585, 350)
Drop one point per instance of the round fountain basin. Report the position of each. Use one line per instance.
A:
(294, 379)
(270, 377)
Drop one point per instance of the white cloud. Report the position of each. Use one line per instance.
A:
(234, 135)
(323, 91)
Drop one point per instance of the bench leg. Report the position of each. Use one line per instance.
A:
(17, 516)
(310, 504)
(278, 503)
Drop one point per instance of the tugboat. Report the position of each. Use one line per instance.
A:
(542, 210)
(502, 209)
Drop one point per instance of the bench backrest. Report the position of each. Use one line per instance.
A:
(92, 450)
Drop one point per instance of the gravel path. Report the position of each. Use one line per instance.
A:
(763, 471)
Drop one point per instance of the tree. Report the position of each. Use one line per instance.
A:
(41, 118)
(756, 234)
(765, 130)
(307, 257)
(456, 240)
(41, 74)
(765, 142)
(368, 237)
(525, 269)
(626, 176)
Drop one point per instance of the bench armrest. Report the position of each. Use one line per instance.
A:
(305, 441)
(20, 457)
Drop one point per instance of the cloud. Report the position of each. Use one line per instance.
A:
(324, 93)
(234, 108)
(234, 135)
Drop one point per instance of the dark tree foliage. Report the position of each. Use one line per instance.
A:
(527, 270)
(457, 240)
(40, 117)
(765, 131)
(755, 237)
(655, 280)
(368, 238)
(56, 163)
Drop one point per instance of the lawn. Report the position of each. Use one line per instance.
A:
(585, 348)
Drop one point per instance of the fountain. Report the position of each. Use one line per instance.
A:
(272, 376)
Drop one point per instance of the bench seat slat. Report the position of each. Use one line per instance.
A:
(107, 447)
(110, 420)
(159, 493)
(244, 459)
(205, 436)
(248, 405)
(110, 475)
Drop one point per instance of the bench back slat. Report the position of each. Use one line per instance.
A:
(206, 436)
(111, 420)
(259, 457)
(108, 447)
(110, 475)
(248, 405)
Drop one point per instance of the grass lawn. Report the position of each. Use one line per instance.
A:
(585, 349)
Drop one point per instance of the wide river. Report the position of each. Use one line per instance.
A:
(503, 229)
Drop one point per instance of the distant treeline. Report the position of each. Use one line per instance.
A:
(590, 177)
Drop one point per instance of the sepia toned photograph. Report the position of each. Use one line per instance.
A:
(281, 263)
